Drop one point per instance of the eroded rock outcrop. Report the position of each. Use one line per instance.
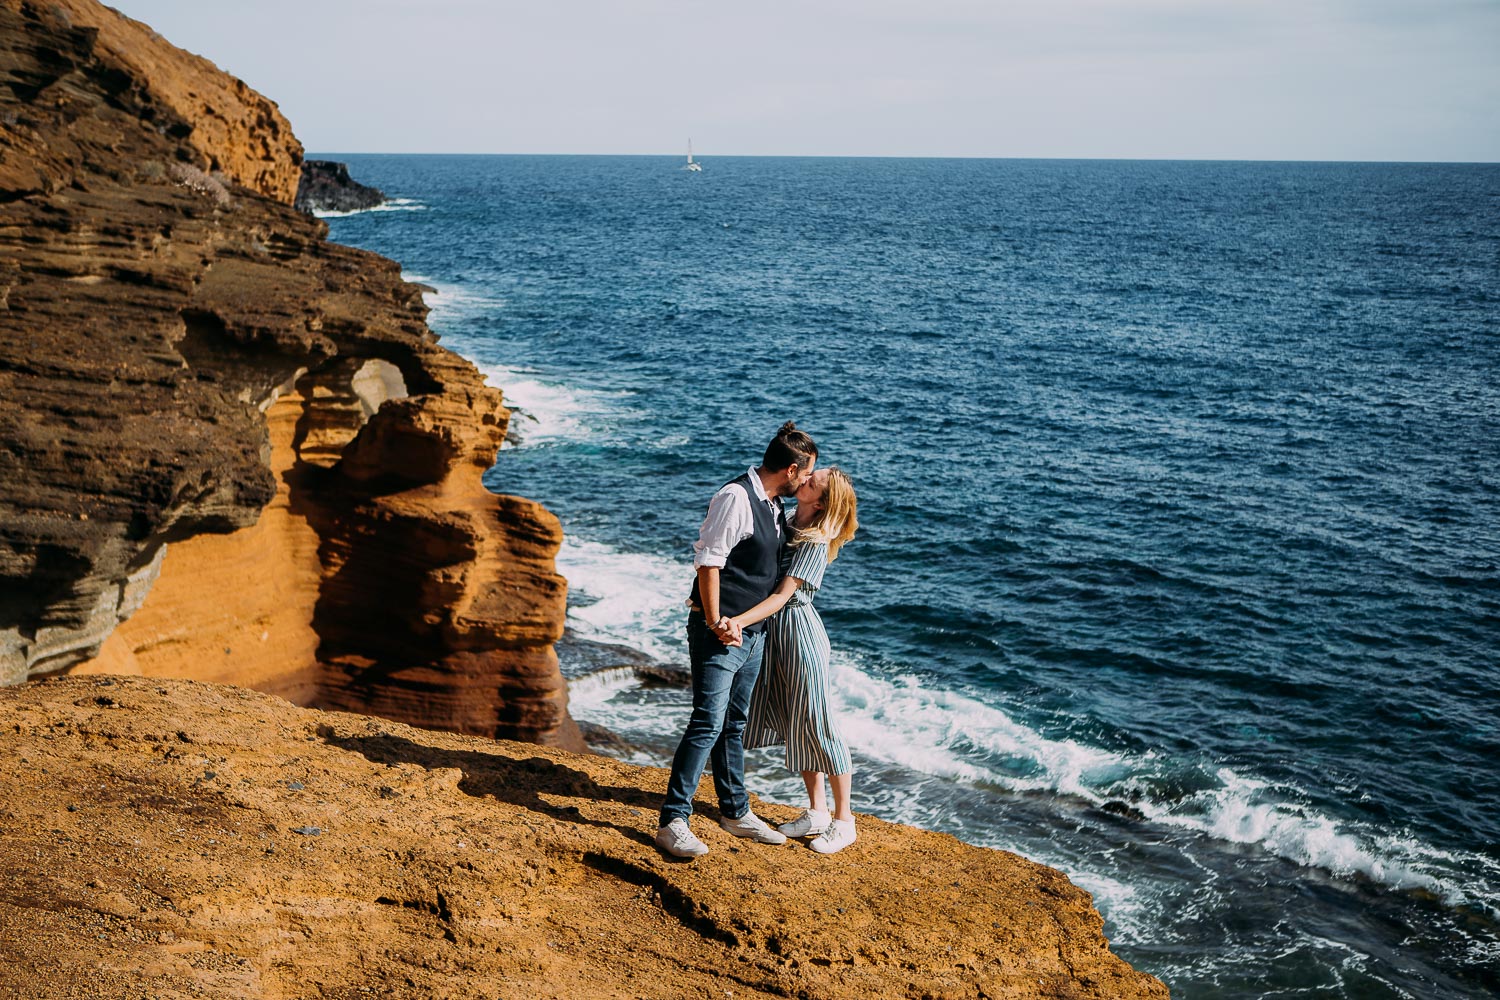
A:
(169, 838)
(327, 187)
(228, 448)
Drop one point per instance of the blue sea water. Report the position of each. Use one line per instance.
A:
(1180, 493)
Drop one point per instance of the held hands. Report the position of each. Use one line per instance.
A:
(728, 631)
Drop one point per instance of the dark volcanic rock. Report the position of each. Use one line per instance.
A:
(327, 187)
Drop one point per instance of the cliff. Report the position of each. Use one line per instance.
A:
(229, 449)
(171, 838)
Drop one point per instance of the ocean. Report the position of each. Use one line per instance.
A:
(1179, 567)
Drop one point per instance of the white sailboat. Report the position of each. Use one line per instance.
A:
(690, 164)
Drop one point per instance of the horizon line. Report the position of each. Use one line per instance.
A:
(307, 154)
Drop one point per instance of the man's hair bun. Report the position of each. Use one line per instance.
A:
(789, 447)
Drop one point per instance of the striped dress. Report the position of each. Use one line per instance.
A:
(790, 703)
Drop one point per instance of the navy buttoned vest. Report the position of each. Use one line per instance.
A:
(753, 566)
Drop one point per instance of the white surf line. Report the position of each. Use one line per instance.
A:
(389, 205)
(637, 600)
(902, 720)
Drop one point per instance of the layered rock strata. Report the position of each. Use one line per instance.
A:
(170, 838)
(230, 449)
(327, 187)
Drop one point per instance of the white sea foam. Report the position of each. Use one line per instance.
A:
(587, 694)
(1344, 959)
(633, 600)
(1131, 912)
(390, 205)
(904, 720)
(450, 304)
(549, 411)
(1244, 810)
(636, 600)
(545, 410)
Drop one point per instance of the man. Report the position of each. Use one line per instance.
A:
(737, 558)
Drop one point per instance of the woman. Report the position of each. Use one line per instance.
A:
(790, 703)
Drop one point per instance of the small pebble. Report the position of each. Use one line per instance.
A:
(295, 786)
(307, 831)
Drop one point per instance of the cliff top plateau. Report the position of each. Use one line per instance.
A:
(169, 838)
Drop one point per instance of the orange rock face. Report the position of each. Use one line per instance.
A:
(235, 608)
(231, 449)
(168, 838)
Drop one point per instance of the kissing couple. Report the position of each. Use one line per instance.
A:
(759, 652)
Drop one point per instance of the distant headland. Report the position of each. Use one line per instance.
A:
(325, 186)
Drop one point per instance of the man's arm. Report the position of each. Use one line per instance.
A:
(727, 630)
(708, 592)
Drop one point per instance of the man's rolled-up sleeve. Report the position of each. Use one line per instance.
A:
(728, 523)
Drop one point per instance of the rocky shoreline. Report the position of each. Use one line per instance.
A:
(238, 476)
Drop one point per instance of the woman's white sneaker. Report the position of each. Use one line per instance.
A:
(809, 824)
(839, 835)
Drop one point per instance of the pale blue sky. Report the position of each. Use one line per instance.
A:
(1222, 79)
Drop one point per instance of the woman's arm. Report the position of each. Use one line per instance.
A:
(770, 605)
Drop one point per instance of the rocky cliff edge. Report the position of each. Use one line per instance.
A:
(168, 838)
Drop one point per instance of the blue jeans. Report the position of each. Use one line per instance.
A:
(723, 680)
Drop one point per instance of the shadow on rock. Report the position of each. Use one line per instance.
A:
(519, 782)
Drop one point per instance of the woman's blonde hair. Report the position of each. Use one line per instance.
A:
(837, 519)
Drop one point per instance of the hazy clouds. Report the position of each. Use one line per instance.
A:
(1277, 79)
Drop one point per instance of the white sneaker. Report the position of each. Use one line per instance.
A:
(677, 840)
(752, 826)
(809, 824)
(839, 835)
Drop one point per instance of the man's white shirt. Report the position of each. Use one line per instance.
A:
(731, 520)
